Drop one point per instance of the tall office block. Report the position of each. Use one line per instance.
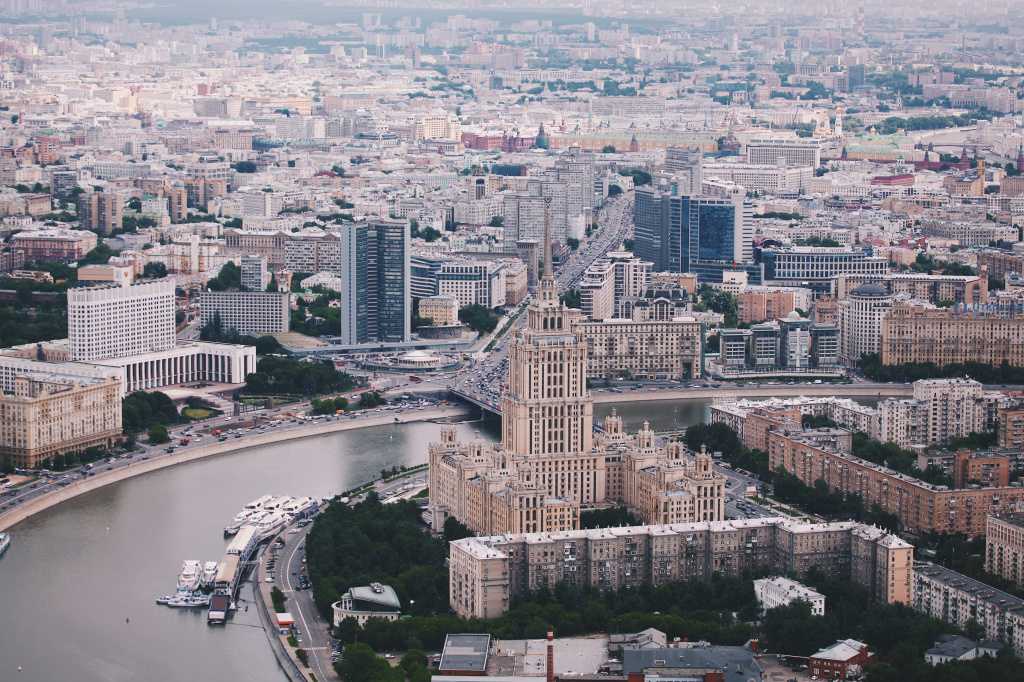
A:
(680, 233)
(687, 165)
(116, 322)
(376, 305)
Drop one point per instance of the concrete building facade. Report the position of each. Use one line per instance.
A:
(488, 571)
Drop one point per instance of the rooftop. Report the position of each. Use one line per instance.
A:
(467, 653)
(377, 594)
(842, 650)
(738, 663)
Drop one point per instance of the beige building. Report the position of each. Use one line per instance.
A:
(487, 572)
(53, 244)
(914, 334)
(517, 278)
(106, 274)
(442, 310)
(548, 463)
(648, 349)
(49, 415)
(933, 288)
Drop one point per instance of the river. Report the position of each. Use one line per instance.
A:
(78, 584)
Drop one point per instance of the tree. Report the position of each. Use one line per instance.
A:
(229, 277)
(608, 149)
(267, 345)
(158, 434)
(496, 221)
(478, 318)
(614, 191)
(272, 284)
(154, 270)
(572, 299)
(572, 242)
(245, 167)
(6, 465)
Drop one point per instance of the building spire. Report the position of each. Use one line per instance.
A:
(548, 269)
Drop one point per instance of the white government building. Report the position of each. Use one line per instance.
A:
(128, 332)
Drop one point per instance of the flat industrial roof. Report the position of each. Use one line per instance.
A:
(465, 653)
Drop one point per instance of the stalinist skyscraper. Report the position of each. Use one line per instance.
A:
(548, 464)
(547, 409)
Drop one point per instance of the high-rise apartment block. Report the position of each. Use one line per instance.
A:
(255, 276)
(488, 572)
(376, 304)
(100, 212)
(955, 598)
(609, 280)
(1004, 546)
(686, 164)
(119, 321)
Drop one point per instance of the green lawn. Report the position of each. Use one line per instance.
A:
(197, 412)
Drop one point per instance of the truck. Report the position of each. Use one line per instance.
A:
(751, 491)
(184, 441)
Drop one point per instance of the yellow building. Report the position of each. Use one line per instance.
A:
(47, 415)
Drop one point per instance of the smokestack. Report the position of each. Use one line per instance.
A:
(551, 654)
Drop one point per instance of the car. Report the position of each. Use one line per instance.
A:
(389, 656)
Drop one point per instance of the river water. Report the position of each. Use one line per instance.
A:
(78, 584)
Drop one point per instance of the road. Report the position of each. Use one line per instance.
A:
(311, 628)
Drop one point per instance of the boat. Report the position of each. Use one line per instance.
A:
(164, 600)
(5, 542)
(238, 521)
(209, 575)
(259, 502)
(180, 602)
(188, 579)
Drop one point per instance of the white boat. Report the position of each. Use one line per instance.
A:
(188, 579)
(179, 602)
(164, 600)
(257, 503)
(209, 575)
(5, 542)
(237, 522)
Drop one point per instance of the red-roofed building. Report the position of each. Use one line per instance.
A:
(843, 660)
